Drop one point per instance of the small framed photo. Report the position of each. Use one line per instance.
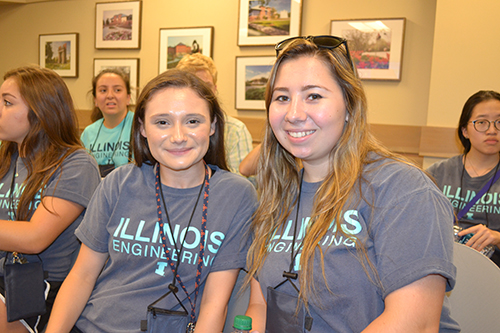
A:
(268, 23)
(128, 66)
(376, 46)
(175, 43)
(252, 74)
(118, 25)
(60, 53)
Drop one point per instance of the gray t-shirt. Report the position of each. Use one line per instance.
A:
(461, 189)
(122, 221)
(405, 224)
(75, 182)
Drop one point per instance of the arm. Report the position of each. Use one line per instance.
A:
(248, 166)
(49, 220)
(76, 290)
(412, 308)
(483, 237)
(213, 307)
(257, 307)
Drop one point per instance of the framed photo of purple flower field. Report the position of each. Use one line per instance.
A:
(266, 22)
(376, 46)
(118, 25)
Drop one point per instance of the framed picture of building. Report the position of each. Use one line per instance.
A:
(59, 52)
(268, 22)
(175, 43)
(118, 25)
(252, 74)
(130, 67)
(376, 46)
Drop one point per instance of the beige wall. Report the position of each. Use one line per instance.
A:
(399, 103)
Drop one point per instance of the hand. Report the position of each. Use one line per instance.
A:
(483, 237)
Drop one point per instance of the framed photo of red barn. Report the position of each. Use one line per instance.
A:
(175, 43)
(59, 52)
(118, 25)
(268, 22)
(376, 46)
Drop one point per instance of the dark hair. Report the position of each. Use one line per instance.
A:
(480, 96)
(96, 112)
(175, 78)
(53, 133)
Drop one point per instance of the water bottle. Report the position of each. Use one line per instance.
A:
(487, 251)
(242, 324)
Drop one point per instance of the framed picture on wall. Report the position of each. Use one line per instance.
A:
(175, 43)
(60, 53)
(128, 66)
(376, 46)
(118, 25)
(268, 22)
(252, 74)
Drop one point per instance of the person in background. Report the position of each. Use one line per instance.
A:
(237, 138)
(348, 237)
(248, 166)
(462, 176)
(108, 137)
(122, 267)
(46, 180)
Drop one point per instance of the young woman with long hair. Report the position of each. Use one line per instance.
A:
(46, 180)
(462, 176)
(108, 137)
(348, 236)
(178, 142)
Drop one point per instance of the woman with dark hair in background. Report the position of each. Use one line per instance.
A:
(108, 137)
(178, 142)
(462, 177)
(46, 178)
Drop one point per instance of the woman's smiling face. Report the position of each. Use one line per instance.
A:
(307, 111)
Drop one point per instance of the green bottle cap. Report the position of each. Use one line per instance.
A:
(242, 323)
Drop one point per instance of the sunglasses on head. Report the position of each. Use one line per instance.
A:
(323, 42)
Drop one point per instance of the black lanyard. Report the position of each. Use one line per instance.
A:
(117, 140)
(12, 211)
(159, 194)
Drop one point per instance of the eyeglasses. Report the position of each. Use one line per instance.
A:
(323, 42)
(482, 125)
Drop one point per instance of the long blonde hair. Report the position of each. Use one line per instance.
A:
(278, 171)
(53, 133)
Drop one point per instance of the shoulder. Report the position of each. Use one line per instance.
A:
(231, 183)
(452, 163)
(80, 157)
(127, 174)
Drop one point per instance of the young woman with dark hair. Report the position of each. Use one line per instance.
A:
(149, 215)
(46, 180)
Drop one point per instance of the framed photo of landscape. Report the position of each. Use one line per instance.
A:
(252, 74)
(60, 53)
(118, 25)
(128, 66)
(268, 22)
(175, 43)
(376, 46)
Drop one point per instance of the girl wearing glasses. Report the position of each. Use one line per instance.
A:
(176, 209)
(348, 236)
(462, 177)
(108, 138)
(46, 182)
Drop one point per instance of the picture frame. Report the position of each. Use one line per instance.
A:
(177, 42)
(269, 24)
(59, 52)
(130, 66)
(252, 74)
(118, 25)
(376, 46)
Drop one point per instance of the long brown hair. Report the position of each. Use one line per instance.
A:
(53, 133)
(278, 172)
(175, 78)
